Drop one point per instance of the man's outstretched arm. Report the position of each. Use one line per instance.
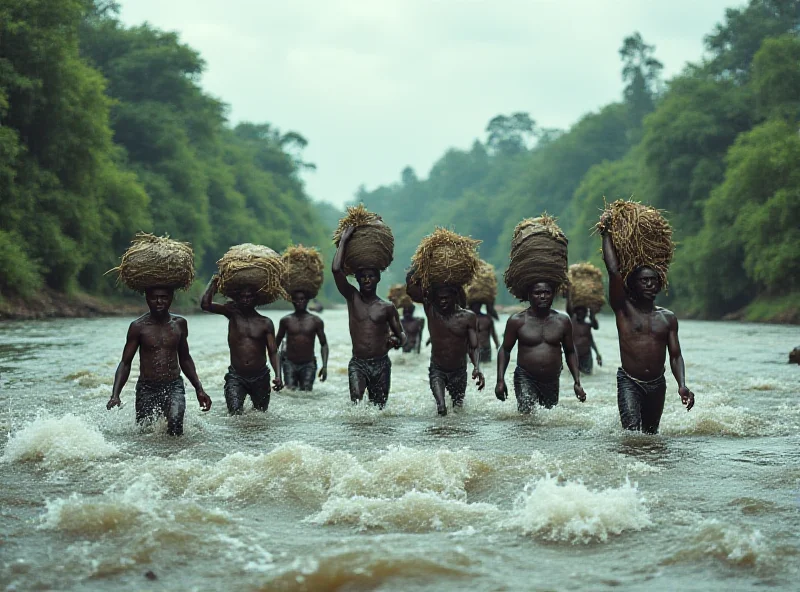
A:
(337, 267)
(616, 287)
(676, 364)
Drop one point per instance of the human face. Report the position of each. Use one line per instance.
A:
(159, 299)
(445, 299)
(408, 311)
(246, 298)
(646, 283)
(368, 280)
(300, 301)
(475, 307)
(541, 295)
(580, 312)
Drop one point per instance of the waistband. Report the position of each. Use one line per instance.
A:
(533, 379)
(370, 360)
(157, 384)
(438, 368)
(265, 373)
(653, 382)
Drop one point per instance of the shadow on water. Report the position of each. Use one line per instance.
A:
(652, 449)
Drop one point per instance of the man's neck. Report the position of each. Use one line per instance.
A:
(368, 296)
(160, 317)
(642, 305)
(300, 313)
(541, 313)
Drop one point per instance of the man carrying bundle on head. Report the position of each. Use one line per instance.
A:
(250, 275)
(637, 249)
(157, 266)
(365, 247)
(302, 282)
(584, 301)
(412, 326)
(483, 290)
(443, 264)
(538, 267)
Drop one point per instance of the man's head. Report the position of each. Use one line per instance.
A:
(300, 301)
(541, 295)
(159, 299)
(580, 312)
(408, 310)
(445, 298)
(645, 283)
(368, 279)
(475, 307)
(246, 297)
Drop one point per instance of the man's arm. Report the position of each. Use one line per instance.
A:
(419, 339)
(337, 267)
(187, 365)
(504, 355)
(398, 336)
(616, 287)
(207, 301)
(593, 320)
(474, 354)
(677, 365)
(124, 367)
(493, 333)
(572, 358)
(272, 353)
(593, 345)
(323, 342)
(281, 332)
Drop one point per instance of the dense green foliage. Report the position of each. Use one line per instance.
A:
(717, 147)
(106, 131)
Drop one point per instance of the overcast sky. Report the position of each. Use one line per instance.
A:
(375, 85)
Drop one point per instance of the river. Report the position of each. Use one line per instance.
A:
(317, 494)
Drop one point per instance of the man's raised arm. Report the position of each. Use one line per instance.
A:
(616, 287)
(337, 267)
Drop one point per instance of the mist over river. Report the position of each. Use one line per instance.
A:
(318, 494)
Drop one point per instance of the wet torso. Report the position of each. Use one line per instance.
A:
(449, 337)
(412, 326)
(643, 338)
(158, 348)
(484, 331)
(369, 326)
(539, 342)
(582, 335)
(247, 340)
(301, 335)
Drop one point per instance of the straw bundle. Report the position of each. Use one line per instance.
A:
(538, 254)
(445, 257)
(586, 286)
(399, 297)
(156, 261)
(641, 236)
(483, 288)
(252, 266)
(372, 243)
(303, 270)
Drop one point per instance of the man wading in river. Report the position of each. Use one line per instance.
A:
(251, 337)
(454, 336)
(370, 368)
(542, 334)
(161, 339)
(582, 334)
(301, 330)
(486, 332)
(413, 328)
(646, 333)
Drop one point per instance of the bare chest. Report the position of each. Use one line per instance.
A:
(241, 327)
(535, 332)
(638, 324)
(160, 337)
(374, 312)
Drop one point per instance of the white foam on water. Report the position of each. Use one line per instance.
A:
(415, 511)
(56, 442)
(715, 419)
(734, 545)
(571, 512)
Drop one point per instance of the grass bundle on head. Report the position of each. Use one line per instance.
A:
(586, 286)
(483, 288)
(156, 261)
(538, 254)
(399, 297)
(641, 236)
(252, 266)
(372, 243)
(445, 257)
(303, 270)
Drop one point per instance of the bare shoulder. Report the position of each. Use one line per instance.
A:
(318, 322)
(561, 317)
(517, 319)
(667, 315)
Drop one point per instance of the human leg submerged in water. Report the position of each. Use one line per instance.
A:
(372, 375)
(156, 399)
(641, 403)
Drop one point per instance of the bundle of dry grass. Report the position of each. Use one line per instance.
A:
(586, 286)
(399, 297)
(372, 243)
(538, 254)
(252, 266)
(641, 236)
(156, 261)
(303, 270)
(483, 288)
(445, 257)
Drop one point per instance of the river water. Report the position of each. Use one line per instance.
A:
(318, 494)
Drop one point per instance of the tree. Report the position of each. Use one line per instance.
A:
(641, 73)
(509, 135)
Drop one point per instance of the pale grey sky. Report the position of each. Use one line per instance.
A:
(376, 85)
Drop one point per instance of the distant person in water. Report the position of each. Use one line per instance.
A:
(454, 337)
(583, 321)
(301, 329)
(486, 332)
(371, 320)
(413, 328)
(542, 334)
(251, 338)
(646, 333)
(316, 306)
(161, 340)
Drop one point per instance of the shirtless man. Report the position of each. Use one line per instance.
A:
(161, 339)
(485, 331)
(454, 336)
(413, 328)
(301, 330)
(646, 333)
(250, 338)
(542, 334)
(582, 333)
(370, 368)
